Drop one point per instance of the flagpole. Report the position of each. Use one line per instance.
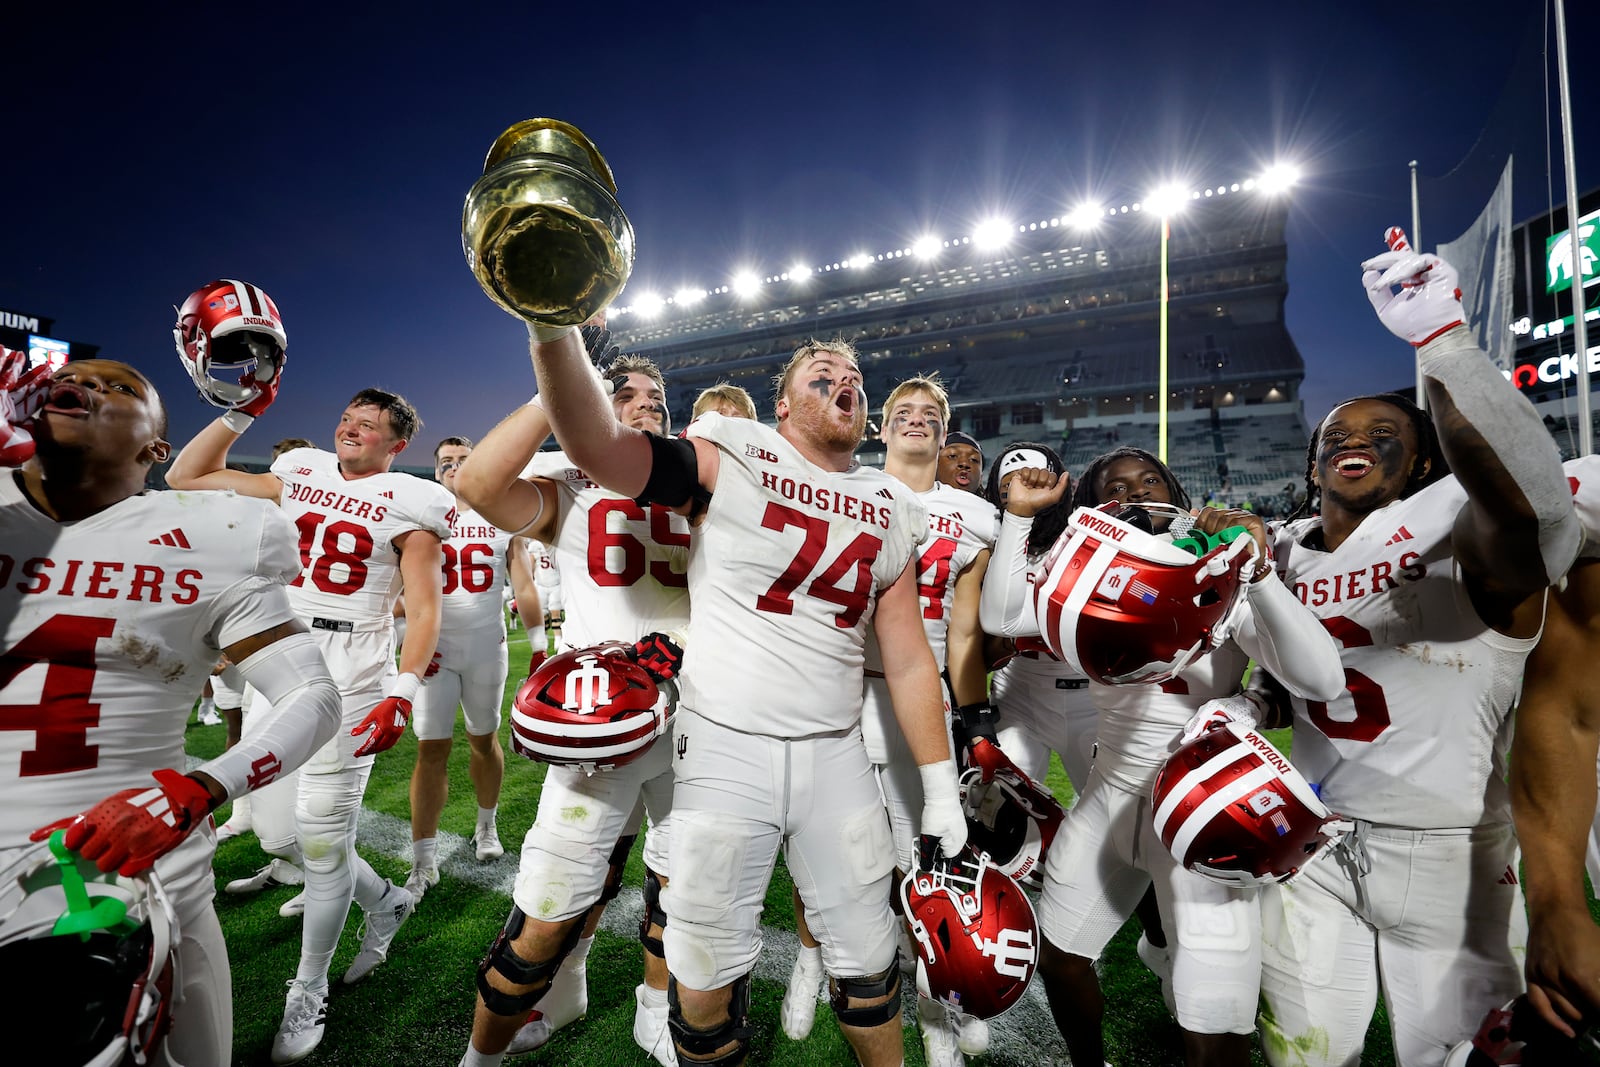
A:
(1161, 407)
(1416, 243)
(1580, 333)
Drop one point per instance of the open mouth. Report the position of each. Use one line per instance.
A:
(846, 400)
(68, 398)
(1353, 464)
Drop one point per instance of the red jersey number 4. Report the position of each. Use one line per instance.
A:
(61, 719)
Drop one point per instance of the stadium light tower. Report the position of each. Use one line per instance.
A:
(1166, 201)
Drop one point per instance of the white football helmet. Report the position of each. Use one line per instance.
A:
(93, 960)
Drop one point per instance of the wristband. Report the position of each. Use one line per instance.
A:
(405, 687)
(237, 421)
(546, 334)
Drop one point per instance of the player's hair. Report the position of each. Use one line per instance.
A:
(462, 442)
(289, 444)
(403, 418)
(838, 346)
(929, 384)
(1047, 524)
(632, 363)
(723, 394)
(1087, 494)
(1428, 448)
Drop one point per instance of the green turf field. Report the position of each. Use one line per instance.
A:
(416, 1008)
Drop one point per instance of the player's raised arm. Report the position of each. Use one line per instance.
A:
(624, 460)
(1517, 533)
(1005, 607)
(1553, 798)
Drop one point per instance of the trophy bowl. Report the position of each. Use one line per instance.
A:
(542, 229)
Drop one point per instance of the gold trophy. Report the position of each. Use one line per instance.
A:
(542, 230)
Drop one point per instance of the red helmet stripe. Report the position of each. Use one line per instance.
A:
(1199, 818)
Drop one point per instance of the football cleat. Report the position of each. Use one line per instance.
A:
(486, 842)
(1158, 961)
(382, 923)
(800, 998)
(294, 907)
(305, 1016)
(650, 1029)
(278, 872)
(420, 880)
(939, 1043)
(566, 1002)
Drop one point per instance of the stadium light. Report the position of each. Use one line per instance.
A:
(688, 297)
(1085, 216)
(649, 305)
(926, 247)
(746, 283)
(799, 272)
(1278, 178)
(1166, 200)
(860, 260)
(991, 234)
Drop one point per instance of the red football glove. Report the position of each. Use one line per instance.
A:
(659, 654)
(23, 390)
(433, 665)
(267, 376)
(387, 722)
(536, 660)
(132, 829)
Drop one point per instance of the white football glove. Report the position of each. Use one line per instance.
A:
(1240, 709)
(1429, 300)
(942, 816)
(23, 390)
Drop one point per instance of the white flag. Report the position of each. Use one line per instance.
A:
(1483, 257)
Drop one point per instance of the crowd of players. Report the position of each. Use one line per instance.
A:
(830, 685)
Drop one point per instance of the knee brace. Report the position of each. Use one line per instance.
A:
(699, 1047)
(885, 984)
(504, 961)
(654, 915)
(617, 861)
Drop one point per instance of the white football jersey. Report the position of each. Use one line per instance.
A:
(1418, 739)
(546, 575)
(785, 570)
(1141, 725)
(350, 571)
(1583, 478)
(111, 625)
(960, 526)
(624, 566)
(474, 575)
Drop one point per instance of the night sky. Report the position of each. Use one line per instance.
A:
(325, 157)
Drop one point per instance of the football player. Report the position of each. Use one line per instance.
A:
(1106, 855)
(547, 580)
(116, 602)
(468, 669)
(961, 462)
(623, 567)
(950, 567)
(797, 550)
(364, 530)
(1553, 790)
(724, 398)
(1435, 588)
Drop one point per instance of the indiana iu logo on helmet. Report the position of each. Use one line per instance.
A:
(1013, 953)
(588, 687)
